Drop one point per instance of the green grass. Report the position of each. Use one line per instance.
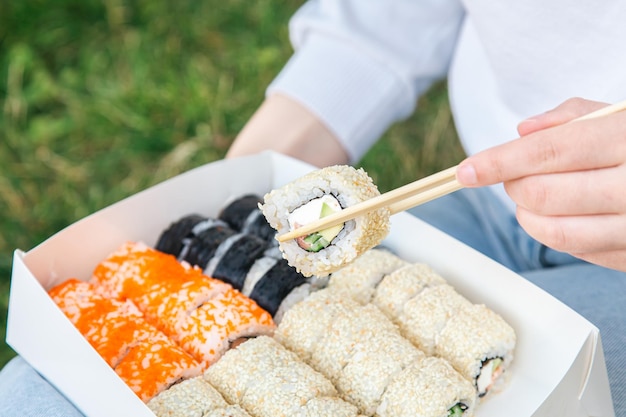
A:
(100, 99)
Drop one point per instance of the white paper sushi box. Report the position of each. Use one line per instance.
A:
(559, 367)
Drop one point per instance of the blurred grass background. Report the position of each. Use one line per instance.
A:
(102, 98)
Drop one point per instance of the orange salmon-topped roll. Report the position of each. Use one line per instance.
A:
(144, 358)
(155, 281)
(111, 326)
(136, 269)
(154, 364)
(202, 314)
(210, 329)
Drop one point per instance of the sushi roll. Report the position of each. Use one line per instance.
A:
(144, 358)
(244, 215)
(328, 407)
(316, 195)
(398, 287)
(205, 316)
(154, 364)
(172, 239)
(295, 296)
(437, 319)
(220, 323)
(362, 353)
(429, 387)
(234, 257)
(193, 397)
(303, 325)
(205, 238)
(270, 281)
(360, 278)
(370, 357)
(112, 327)
(266, 379)
(480, 345)
(425, 315)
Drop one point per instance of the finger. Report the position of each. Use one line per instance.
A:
(577, 193)
(610, 259)
(563, 113)
(581, 145)
(576, 234)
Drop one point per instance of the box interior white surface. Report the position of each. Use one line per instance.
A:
(559, 365)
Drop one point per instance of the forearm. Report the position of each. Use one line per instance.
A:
(283, 125)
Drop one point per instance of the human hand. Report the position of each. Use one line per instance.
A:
(568, 180)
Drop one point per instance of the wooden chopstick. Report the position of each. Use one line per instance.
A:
(412, 194)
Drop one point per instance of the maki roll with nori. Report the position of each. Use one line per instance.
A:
(275, 285)
(172, 239)
(244, 215)
(316, 195)
(234, 257)
(201, 245)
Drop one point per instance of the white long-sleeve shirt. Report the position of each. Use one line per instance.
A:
(361, 65)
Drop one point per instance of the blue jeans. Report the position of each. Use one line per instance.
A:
(476, 217)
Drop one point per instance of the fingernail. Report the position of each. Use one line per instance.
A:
(531, 121)
(466, 174)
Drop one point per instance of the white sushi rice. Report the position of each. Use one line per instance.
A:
(349, 186)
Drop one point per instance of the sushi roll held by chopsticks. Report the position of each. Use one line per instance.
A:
(319, 194)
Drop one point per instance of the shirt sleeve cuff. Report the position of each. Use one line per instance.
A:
(355, 97)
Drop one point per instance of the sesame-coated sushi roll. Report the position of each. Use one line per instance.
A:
(479, 344)
(172, 239)
(429, 387)
(230, 411)
(234, 257)
(360, 278)
(426, 315)
(302, 326)
(328, 407)
(244, 215)
(266, 379)
(362, 353)
(377, 357)
(193, 397)
(403, 284)
(316, 195)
